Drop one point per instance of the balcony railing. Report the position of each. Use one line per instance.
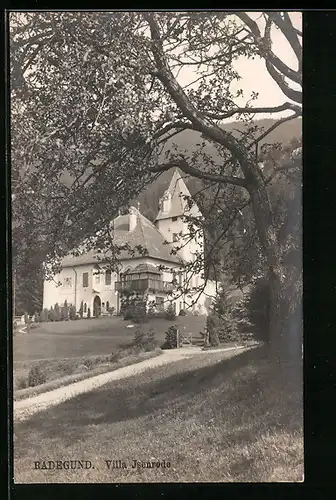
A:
(141, 285)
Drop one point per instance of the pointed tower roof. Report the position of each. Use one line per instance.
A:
(177, 190)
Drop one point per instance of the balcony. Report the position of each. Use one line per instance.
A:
(142, 285)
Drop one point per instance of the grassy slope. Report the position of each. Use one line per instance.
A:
(214, 417)
(90, 337)
(62, 372)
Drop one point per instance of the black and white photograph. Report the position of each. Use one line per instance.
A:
(156, 228)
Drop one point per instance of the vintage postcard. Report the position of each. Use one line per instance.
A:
(156, 173)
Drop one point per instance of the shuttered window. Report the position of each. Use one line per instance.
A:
(85, 280)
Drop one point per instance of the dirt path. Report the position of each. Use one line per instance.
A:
(23, 409)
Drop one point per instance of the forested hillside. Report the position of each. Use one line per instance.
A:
(186, 142)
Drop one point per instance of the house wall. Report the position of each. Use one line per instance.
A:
(52, 293)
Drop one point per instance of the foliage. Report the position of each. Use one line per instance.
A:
(127, 65)
(257, 304)
(228, 321)
(170, 313)
(36, 376)
(151, 309)
(144, 340)
(66, 311)
(81, 309)
(57, 312)
(182, 312)
(45, 315)
(111, 310)
(171, 338)
(72, 312)
(134, 308)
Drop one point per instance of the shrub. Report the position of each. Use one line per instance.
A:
(182, 313)
(257, 304)
(36, 377)
(229, 320)
(22, 383)
(36, 317)
(44, 315)
(170, 313)
(81, 309)
(151, 310)
(111, 310)
(57, 312)
(115, 356)
(134, 309)
(89, 313)
(51, 314)
(171, 338)
(89, 363)
(144, 340)
(195, 312)
(72, 312)
(65, 311)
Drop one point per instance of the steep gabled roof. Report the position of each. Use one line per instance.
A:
(177, 190)
(145, 235)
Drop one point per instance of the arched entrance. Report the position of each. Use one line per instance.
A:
(96, 306)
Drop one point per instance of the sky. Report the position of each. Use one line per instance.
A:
(255, 76)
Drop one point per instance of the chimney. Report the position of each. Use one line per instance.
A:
(133, 215)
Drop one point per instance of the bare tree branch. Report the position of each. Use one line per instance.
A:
(273, 127)
(271, 109)
(188, 169)
(199, 121)
(264, 45)
(286, 26)
(295, 95)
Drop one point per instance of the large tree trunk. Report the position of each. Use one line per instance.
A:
(285, 334)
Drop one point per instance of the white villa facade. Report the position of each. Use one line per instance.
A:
(155, 275)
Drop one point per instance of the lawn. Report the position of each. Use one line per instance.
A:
(61, 372)
(85, 337)
(216, 417)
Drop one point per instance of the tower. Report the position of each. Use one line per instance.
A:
(170, 219)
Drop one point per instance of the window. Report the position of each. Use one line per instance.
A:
(108, 276)
(67, 283)
(85, 307)
(103, 304)
(174, 219)
(175, 237)
(97, 279)
(85, 280)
